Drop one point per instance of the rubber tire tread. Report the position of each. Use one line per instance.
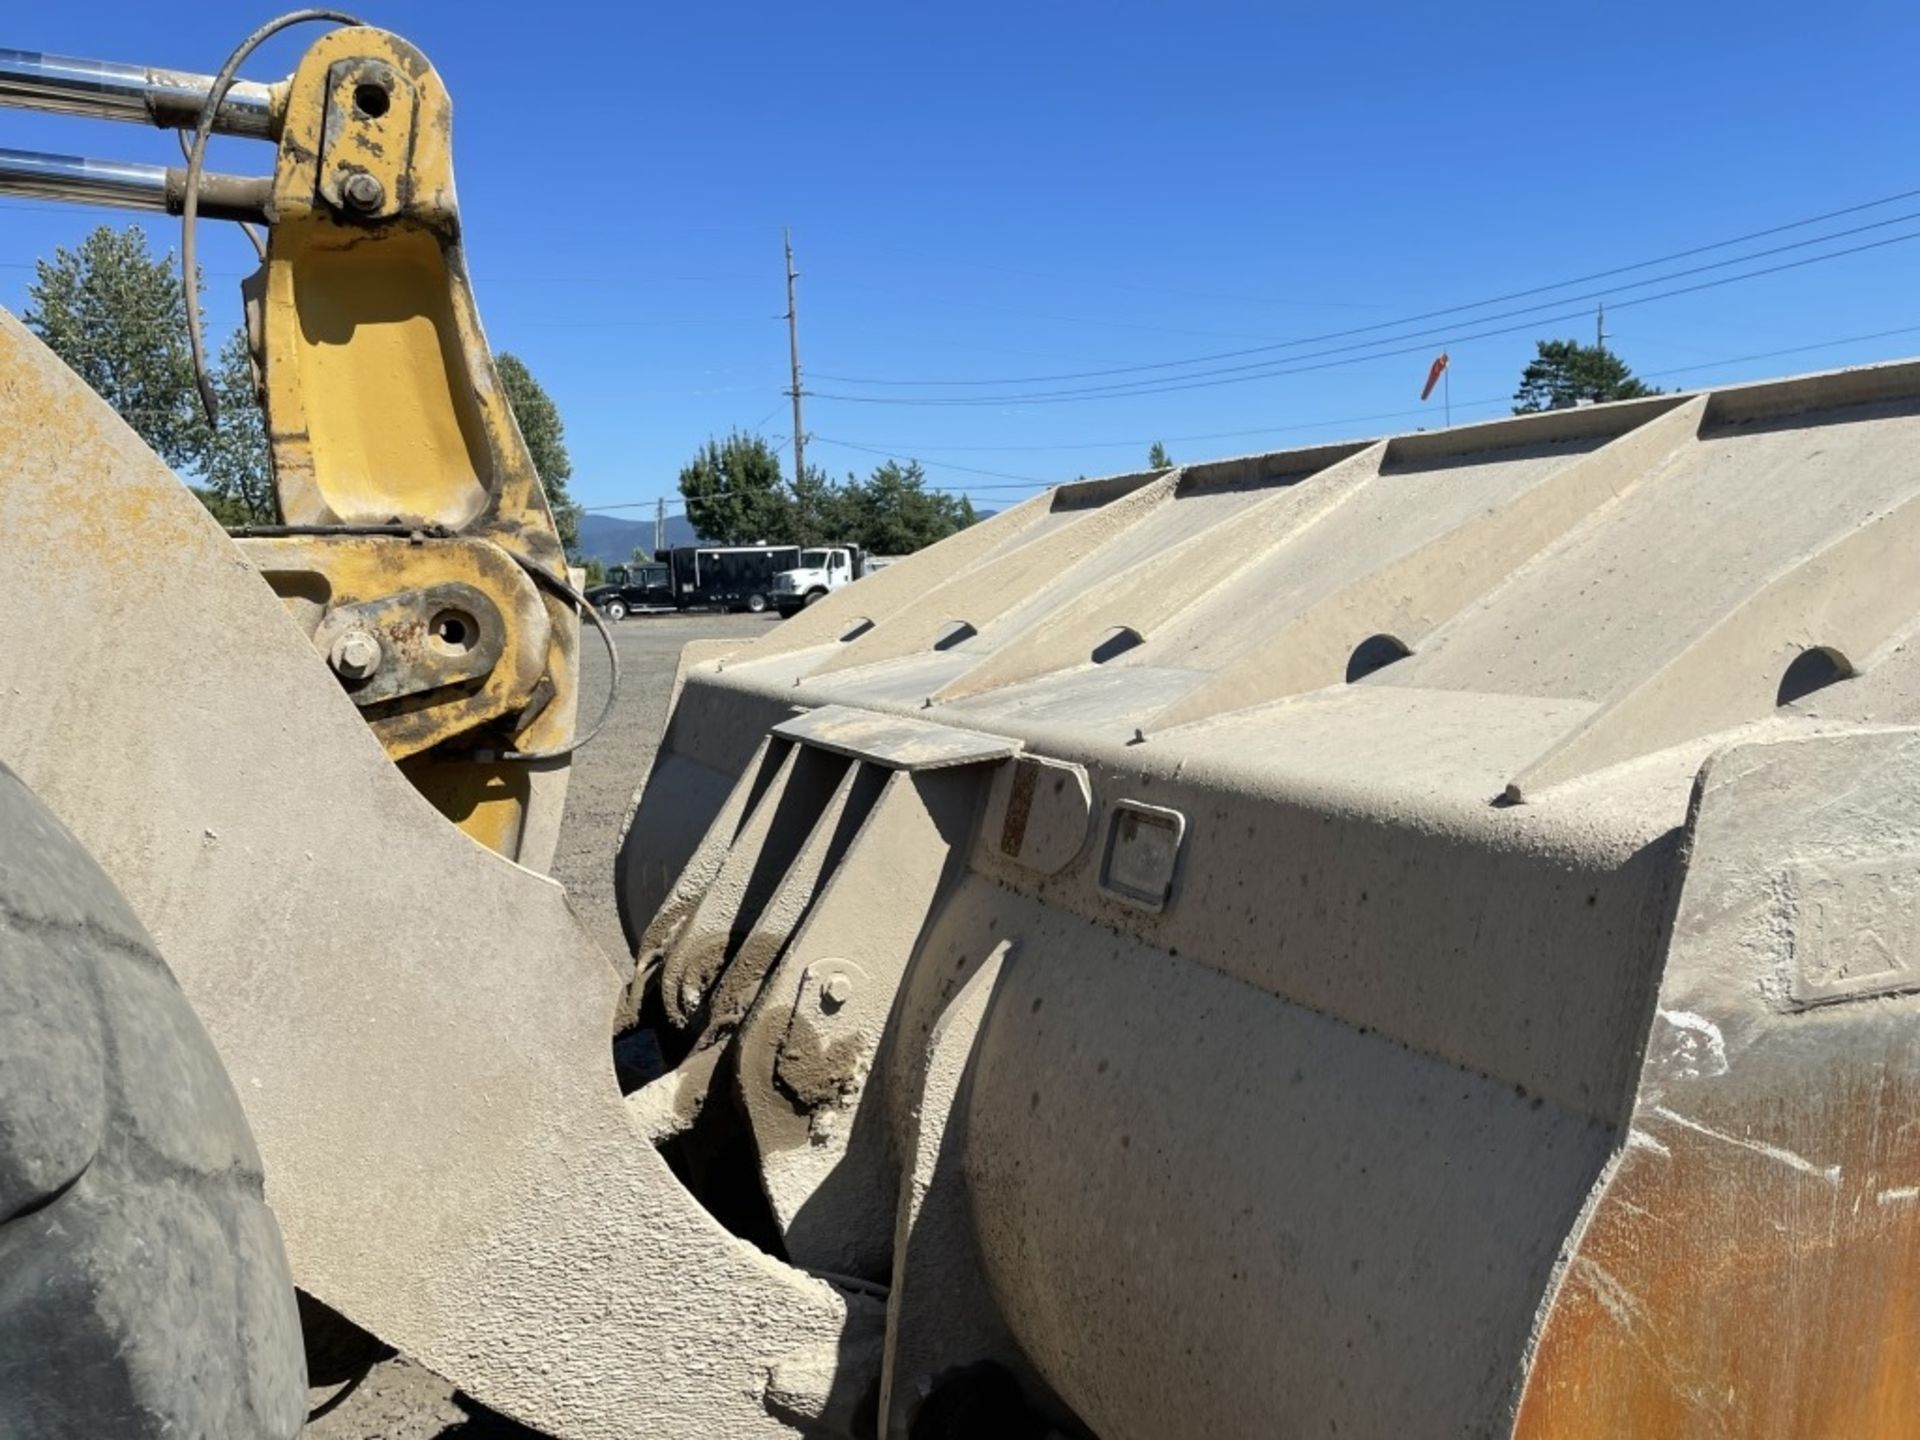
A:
(144, 1288)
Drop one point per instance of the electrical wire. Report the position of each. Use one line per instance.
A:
(938, 464)
(1025, 483)
(631, 505)
(1721, 363)
(196, 162)
(1265, 370)
(1462, 308)
(755, 427)
(1435, 335)
(1144, 441)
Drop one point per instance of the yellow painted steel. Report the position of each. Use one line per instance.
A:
(317, 574)
(383, 406)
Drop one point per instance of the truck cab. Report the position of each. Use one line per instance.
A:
(631, 588)
(822, 569)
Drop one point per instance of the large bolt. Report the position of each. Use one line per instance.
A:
(837, 990)
(363, 191)
(355, 655)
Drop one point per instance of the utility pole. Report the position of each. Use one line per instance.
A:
(659, 526)
(793, 356)
(1600, 327)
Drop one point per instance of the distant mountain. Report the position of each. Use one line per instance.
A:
(612, 541)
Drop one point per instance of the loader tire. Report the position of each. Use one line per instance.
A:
(144, 1290)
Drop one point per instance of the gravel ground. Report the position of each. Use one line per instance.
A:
(400, 1400)
(607, 771)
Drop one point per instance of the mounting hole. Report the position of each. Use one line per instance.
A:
(1376, 652)
(1812, 670)
(371, 99)
(952, 634)
(1116, 641)
(453, 632)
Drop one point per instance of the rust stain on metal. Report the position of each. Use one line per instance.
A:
(1733, 1286)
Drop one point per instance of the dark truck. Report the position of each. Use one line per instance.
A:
(729, 577)
(633, 588)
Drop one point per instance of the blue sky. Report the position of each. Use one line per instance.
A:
(1011, 192)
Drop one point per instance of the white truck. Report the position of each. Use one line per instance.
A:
(822, 570)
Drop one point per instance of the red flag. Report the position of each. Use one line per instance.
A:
(1433, 375)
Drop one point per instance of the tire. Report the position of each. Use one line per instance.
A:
(144, 1290)
(814, 597)
(614, 610)
(757, 603)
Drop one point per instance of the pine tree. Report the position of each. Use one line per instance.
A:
(1565, 372)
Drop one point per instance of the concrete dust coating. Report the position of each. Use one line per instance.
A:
(400, 1400)
(607, 772)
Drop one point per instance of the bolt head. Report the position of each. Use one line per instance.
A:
(837, 990)
(363, 191)
(355, 655)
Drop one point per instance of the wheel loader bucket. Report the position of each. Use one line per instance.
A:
(1413, 936)
(1416, 937)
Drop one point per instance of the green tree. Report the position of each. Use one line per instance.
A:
(892, 512)
(734, 492)
(546, 437)
(1565, 372)
(116, 316)
(819, 512)
(236, 474)
(1158, 459)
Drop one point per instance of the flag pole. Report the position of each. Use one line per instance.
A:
(1446, 379)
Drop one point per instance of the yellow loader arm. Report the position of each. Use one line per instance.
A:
(417, 548)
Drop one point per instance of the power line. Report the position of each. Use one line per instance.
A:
(935, 464)
(636, 324)
(1142, 443)
(1241, 374)
(951, 301)
(1262, 368)
(1472, 305)
(1134, 285)
(755, 427)
(1028, 483)
(657, 501)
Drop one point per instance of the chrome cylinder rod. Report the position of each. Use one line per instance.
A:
(129, 186)
(65, 85)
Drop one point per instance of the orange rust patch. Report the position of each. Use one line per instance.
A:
(1731, 1284)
